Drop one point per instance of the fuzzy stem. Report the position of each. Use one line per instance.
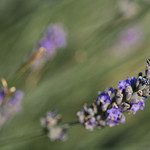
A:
(25, 137)
(27, 65)
(37, 134)
(73, 123)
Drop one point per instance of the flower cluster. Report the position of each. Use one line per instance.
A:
(52, 126)
(108, 108)
(10, 103)
(55, 37)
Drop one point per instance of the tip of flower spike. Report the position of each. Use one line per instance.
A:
(55, 37)
(148, 61)
(140, 74)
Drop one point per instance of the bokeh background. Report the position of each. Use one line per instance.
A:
(107, 41)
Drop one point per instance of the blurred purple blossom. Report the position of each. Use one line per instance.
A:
(54, 38)
(11, 106)
(128, 40)
(2, 93)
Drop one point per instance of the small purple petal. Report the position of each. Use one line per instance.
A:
(122, 85)
(48, 45)
(104, 98)
(139, 105)
(2, 95)
(114, 113)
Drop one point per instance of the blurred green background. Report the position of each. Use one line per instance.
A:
(95, 58)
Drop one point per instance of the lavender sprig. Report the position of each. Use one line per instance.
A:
(10, 103)
(54, 38)
(107, 110)
(109, 107)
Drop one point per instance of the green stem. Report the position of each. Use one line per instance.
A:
(73, 123)
(26, 66)
(22, 138)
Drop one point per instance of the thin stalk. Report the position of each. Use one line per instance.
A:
(73, 123)
(22, 138)
(27, 65)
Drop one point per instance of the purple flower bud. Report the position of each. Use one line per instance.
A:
(103, 98)
(55, 37)
(18, 95)
(139, 105)
(90, 124)
(49, 46)
(57, 34)
(114, 113)
(122, 85)
(133, 81)
(2, 95)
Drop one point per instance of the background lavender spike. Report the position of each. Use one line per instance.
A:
(53, 128)
(54, 38)
(10, 107)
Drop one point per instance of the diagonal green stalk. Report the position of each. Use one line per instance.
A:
(26, 66)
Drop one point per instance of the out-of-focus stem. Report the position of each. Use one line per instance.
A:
(37, 55)
(22, 138)
(27, 65)
(33, 135)
(73, 123)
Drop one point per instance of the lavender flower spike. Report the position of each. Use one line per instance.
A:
(10, 103)
(54, 38)
(130, 96)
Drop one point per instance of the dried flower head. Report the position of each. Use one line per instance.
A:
(52, 126)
